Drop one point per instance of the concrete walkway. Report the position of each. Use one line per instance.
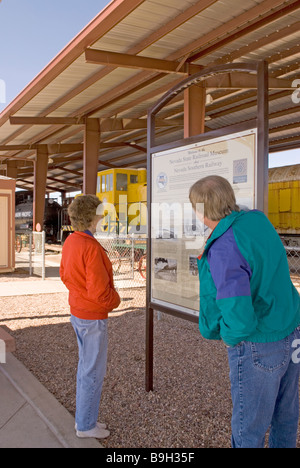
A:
(27, 287)
(30, 416)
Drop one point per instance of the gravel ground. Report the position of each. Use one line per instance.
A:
(190, 406)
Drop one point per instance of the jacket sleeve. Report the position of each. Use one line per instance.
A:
(231, 274)
(99, 283)
(61, 271)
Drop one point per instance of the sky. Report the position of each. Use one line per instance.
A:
(33, 32)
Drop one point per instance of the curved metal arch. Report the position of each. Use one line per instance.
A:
(202, 76)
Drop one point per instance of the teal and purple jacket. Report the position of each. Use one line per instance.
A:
(246, 293)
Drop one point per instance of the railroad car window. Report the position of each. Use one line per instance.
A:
(133, 179)
(109, 181)
(98, 184)
(103, 184)
(122, 182)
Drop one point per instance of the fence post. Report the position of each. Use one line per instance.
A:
(30, 253)
(132, 256)
(43, 256)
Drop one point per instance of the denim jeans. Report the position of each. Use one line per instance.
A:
(92, 339)
(265, 393)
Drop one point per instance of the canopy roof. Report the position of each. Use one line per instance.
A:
(131, 54)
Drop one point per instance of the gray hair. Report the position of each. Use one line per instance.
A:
(82, 211)
(216, 194)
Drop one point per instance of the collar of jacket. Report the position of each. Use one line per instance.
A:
(88, 232)
(85, 234)
(222, 227)
(90, 236)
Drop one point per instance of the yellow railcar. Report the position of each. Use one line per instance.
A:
(123, 193)
(284, 202)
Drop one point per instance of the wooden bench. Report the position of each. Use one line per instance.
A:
(10, 344)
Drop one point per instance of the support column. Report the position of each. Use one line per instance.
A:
(40, 181)
(12, 169)
(91, 156)
(194, 110)
(262, 194)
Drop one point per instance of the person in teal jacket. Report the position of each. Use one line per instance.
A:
(247, 299)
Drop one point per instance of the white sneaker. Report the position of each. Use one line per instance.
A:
(96, 433)
(98, 424)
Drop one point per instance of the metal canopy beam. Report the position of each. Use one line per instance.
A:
(245, 81)
(52, 148)
(48, 187)
(228, 81)
(45, 121)
(64, 182)
(107, 124)
(110, 124)
(114, 59)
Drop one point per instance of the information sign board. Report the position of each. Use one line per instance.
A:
(177, 237)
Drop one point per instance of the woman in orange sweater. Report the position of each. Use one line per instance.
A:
(87, 273)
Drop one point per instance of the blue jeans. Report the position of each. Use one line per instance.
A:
(92, 339)
(265, 393)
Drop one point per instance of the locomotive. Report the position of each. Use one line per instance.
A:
(24, 216)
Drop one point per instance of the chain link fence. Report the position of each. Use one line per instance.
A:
(293, 256)
(37, 252)
(127, 254)
(128, 257)
(30, 253)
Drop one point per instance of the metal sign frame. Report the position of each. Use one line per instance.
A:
(261, 123)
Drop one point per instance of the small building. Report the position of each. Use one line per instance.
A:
(7, 224)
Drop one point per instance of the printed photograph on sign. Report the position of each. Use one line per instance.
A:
(165, 269)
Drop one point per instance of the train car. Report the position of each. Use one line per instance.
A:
(24, 218)
(123, 193)
(66, 228)
(284, 203)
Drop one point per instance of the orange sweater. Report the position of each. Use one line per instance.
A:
(87, 273)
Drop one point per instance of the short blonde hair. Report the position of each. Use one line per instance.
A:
(82, 211)
(217, 196)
